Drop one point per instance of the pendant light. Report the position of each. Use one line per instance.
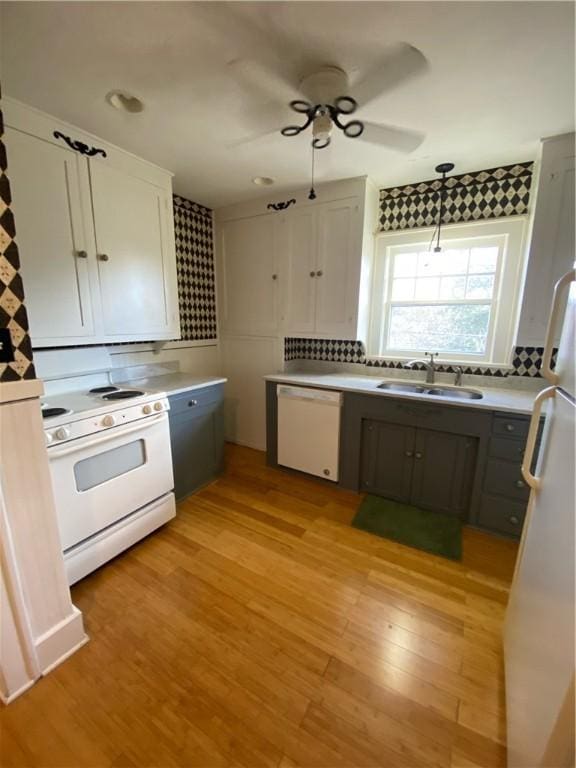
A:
(443, 168)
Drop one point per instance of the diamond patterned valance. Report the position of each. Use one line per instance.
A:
(488, 194)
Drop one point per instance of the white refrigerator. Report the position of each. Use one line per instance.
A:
(539, 632)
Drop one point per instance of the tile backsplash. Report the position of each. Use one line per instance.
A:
(526, 361)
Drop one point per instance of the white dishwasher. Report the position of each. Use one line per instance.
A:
(309, 430)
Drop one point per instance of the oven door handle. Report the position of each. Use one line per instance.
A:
(56, 453)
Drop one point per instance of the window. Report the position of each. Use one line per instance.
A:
(460, 302)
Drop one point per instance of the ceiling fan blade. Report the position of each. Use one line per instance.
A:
(399, 139)
(266, 84)
(254, 137)
(400, 63)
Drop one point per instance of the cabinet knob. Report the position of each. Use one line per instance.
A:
(418, 455)
(509, 427)
(192, 403)
(513, 519)
(408, 454)
(319, 273)
(103, 257)
(274, 277)
(82, 254)
(326, 472)
(520, 484)
(312, 274)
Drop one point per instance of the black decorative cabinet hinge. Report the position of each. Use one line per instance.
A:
(79, 146)
(281, 206)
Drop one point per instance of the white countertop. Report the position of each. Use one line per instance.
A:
(494, 398)
(173, 383)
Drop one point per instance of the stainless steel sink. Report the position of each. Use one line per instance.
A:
(393, 387)
(418, 389)
(462, 394)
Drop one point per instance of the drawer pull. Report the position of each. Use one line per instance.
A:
(408, 454)
(319, 273)
(192, 403)
(513, 519)
(103, 257)
(82, 254)
(520, 484)
(509, 427)
(312, 274)
(418, 455)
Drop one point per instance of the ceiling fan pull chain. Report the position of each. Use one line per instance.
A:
(312, 193)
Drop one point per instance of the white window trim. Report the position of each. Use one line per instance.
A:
(508, 289)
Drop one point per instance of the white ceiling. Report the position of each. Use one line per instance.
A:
(501, 76)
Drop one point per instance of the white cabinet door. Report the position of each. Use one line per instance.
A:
(249, 276)
(299, 274)
(133, 253)
(338, 268)
(48, 185)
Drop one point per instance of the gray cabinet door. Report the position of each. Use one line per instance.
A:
(387, 459)
(443, 469)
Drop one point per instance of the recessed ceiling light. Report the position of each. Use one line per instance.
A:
(262, 181)
(124, 102)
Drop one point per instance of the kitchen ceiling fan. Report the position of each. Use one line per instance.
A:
(326, 99)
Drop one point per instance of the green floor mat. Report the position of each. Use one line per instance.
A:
(433, 532)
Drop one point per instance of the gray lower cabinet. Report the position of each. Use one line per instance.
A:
(197, 437)
(428, 468)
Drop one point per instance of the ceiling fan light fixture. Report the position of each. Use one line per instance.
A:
(263, 181)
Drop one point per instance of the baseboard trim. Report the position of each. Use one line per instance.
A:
(60, 642)
(9, 699)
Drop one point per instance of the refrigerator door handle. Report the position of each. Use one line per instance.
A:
(565, 280)
(532, 480)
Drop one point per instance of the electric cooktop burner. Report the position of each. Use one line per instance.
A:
(48, 412)
(102, 390)
(123, 394)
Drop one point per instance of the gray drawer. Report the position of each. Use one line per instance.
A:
(505, 479)
(194, 398)
(507, 449)
(512, 426)
(502, 515)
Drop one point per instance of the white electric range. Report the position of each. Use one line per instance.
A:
(111, 467)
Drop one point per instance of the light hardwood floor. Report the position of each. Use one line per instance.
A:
(260, 629)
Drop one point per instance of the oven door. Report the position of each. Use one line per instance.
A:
(101, 478)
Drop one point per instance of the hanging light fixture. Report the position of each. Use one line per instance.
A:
(443, 168)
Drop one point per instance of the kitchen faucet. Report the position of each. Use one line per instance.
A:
(430, 367)
(458, 375)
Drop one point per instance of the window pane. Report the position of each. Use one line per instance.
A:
(453, 287)
(427, 288)
(440, 328)
(403, 289)
(480, 287)
(405, 264)
(447, 262)
(483, 259)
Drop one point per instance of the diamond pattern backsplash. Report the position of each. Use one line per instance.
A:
(193, 232)
(12, 309)
(526, 361)
(485, 194)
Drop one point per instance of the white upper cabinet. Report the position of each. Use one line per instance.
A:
(131, 219)
(299, 276)
(319, 255)
(48, 183)
(249, 276)
(96, 236)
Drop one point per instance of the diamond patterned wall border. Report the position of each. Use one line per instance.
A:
(12, 308)
(193, 231)
(526, 361)
(487, 194)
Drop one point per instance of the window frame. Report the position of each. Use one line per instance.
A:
(505, 304)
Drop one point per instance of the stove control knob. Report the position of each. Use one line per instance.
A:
(158, 406)
(108, 421)
(62, 433)
(49, 437)
(147, 409)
